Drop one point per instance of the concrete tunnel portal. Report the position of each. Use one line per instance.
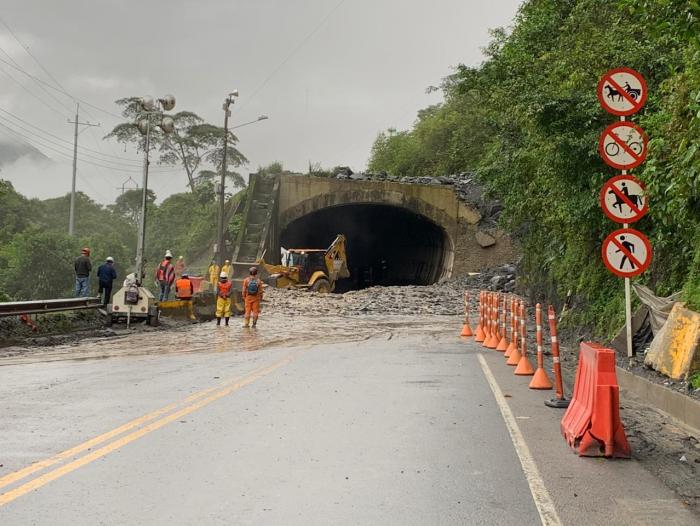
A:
(386, 245)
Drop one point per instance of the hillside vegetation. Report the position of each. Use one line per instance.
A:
(527, 122)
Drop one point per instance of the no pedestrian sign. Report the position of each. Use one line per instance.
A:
(623, 145)
(622, 91)
(623, 200)
(626, 252)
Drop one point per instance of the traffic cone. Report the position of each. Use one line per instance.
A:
(540, 380)
(503, 343)
(492, 342)
(488, 326)
(513, 333)
(466, 329)
(480, 335)
(515, 355)
(524, 367)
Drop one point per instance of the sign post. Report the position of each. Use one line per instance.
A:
(623, 145)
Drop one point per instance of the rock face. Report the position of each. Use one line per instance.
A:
(485, 240)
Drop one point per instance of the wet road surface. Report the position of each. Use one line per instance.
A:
(392, 421)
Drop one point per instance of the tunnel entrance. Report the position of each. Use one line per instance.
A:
(386, 245)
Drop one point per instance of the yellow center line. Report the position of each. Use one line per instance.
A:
(157, 424)
(59, 457)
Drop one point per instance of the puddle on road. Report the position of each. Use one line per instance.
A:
(277, 330)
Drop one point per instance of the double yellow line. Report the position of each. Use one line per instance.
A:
(157, 419)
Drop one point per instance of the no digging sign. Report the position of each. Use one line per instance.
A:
(622, 91)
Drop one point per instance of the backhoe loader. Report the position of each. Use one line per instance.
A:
(316, 269)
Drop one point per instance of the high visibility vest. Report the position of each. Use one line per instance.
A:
(164, 271)
(184, 289)
(224, 289)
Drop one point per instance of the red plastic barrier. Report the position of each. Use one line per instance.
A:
(591, 424)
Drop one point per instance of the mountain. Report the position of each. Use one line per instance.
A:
(11, 151)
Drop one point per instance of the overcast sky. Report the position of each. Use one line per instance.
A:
(330, 74)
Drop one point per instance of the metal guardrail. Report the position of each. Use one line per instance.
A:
(17, 308)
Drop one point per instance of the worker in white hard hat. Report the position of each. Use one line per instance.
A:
(106, 274)
(165, 276)
(223, 298)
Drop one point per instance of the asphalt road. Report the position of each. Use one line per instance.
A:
(391, 429)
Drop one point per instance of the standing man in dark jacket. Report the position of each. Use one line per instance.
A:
(82, 266)
(106, 274)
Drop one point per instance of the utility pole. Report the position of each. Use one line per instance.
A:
(71, 218)
(222, 185)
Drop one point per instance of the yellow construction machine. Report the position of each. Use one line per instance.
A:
(316, 269)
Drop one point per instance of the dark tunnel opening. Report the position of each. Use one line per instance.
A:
(386, 245)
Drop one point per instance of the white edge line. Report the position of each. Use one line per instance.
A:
(543, 501)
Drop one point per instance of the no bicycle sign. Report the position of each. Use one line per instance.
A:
(622, 91)
(626, 252)
(623, 145)
(622, 199)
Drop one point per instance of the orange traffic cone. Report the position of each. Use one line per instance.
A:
(466, 329)
(492, 342)
(513, 333)
(488, 326)
(515, 354)
(480, 335)
(540, 380)
(524, 367)
(503, 343)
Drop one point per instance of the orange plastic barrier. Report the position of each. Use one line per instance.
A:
(540, 380)
(480, 335)
(494, 337)
(466, 329)
(591, 424)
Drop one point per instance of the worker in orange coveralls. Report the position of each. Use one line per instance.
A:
(252, 294)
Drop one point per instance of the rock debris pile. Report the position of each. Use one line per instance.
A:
(444, 298)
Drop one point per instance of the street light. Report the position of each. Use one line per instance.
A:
(149, 107)
(230, 99)
(260, 118)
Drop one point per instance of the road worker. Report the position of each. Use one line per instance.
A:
(223, 298)
(83, 267)
(184, 289)
(165, 276)
(252, 294)
(106, 274)
(226, 267)
(213, 272)
(179, 267)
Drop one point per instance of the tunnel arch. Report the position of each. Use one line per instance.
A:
(388, 244)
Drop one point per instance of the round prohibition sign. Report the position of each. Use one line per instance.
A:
(623, 199)
(623, 145)
(626, 252)
(622, 91)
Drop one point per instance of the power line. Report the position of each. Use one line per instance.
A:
(25, 88)
(60, 102)
(40, 145)
(60, 90)
(132, 162)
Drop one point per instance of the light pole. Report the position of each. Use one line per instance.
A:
(167, 124)
(260, 118)
(227, 113)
